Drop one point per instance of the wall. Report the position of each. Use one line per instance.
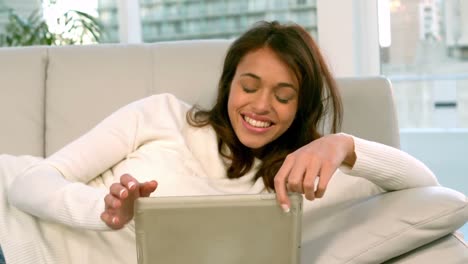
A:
(444, 151)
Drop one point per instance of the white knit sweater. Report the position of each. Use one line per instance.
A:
(150, 139)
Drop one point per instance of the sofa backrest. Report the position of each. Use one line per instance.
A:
(51, 95)
(22, 98)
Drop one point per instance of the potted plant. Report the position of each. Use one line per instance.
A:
(72, 27)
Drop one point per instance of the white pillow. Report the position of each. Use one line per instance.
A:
(379, 228)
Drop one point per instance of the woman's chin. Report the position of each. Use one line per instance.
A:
(254, 144)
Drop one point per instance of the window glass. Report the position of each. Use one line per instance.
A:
(164, 20)
(108, 15)
(427, 61)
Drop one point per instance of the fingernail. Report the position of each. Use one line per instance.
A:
(130, 185)
(121, 192)
(114, 220)
(285, 208)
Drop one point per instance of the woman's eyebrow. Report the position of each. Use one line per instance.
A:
(279, 85)
(283, 84)
(251, 75)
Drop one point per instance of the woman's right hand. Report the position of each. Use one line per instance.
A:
(120, 199)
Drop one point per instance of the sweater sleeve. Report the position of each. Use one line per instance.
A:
(43, 192)
(388, 167)
(157, 117)
(55, 189)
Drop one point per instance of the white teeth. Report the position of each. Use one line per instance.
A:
(256, 123)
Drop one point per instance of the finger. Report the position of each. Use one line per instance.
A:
(147, 188)
(296, 178)
(118, 190)
(105, 217)
(326, 172)
(280, 184)
(111, 221)
(112, 202)
(309, 181)
(128, 181)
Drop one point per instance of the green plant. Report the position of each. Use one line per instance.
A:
(72, 27)
(26, 32)
(78, 27)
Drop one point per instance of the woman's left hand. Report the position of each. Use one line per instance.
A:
(320, 158)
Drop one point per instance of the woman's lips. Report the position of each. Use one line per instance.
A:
(255, 125)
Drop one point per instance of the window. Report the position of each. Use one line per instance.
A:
(163, 20)
(427, 62)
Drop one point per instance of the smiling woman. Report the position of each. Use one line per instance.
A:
(277, 88)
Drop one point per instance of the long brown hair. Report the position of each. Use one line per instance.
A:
(318, 94)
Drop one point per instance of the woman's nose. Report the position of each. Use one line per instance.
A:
(262, 103)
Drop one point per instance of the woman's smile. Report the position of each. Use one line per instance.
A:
(256, 125)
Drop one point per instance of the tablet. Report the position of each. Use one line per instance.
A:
(228, 229)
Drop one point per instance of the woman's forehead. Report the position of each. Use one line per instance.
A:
(265, 64)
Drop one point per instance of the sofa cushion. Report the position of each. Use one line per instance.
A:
(85, 84)
(189, 69)
(22, 81)
(385, 226)
(450, 249)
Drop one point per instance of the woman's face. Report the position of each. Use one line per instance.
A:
(263, 98)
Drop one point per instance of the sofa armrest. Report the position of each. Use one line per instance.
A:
(450, 249)
(387, 225)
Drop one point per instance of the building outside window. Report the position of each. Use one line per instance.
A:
(427, 62)
(164, 20)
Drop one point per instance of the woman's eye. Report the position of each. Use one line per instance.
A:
(247, 89)
(282, 100)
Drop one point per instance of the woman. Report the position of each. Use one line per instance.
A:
(263, 134)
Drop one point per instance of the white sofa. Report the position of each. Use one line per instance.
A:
(49, 96)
